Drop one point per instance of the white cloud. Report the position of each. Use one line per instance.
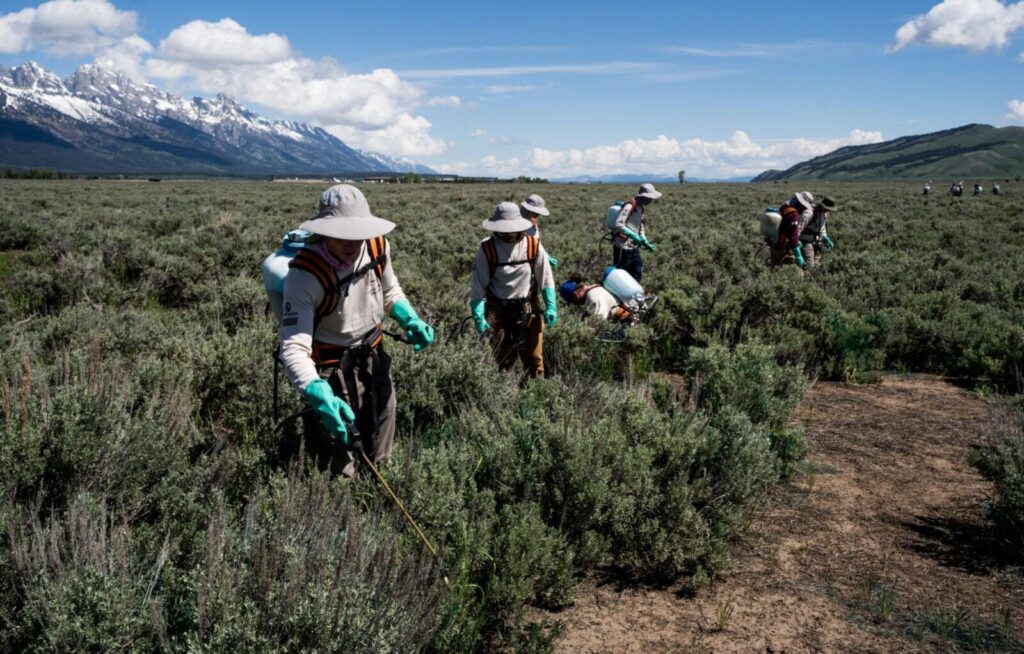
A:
(374, 110)
(65, 27)
(1016, 108)
(478, 133)
(407, 136)
(736, 156)
(224, 42)
(973, 24)
(754, 51)
(444, 101)
(499, 89)
(609, 68)
(126, 56)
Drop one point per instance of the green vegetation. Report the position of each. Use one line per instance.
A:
(148, 504)
(970, 152)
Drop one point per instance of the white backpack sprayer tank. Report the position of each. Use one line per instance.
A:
(275, 267)
(770, 221)
(622, 285)
(612, 216)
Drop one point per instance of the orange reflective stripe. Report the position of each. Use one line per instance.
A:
(377, 247)
(491, 254)
(316, 266)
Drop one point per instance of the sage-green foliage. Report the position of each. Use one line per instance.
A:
(148, 503)
(1002, 462)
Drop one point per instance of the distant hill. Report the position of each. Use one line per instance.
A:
(100, 121)
(968, 152)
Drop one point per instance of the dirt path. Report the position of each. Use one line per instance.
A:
(874, 548)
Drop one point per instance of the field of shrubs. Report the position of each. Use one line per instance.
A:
(149, 502)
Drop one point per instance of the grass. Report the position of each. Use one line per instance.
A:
(147, 500)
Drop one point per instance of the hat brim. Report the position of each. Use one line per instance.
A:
(653, 195)
(540, 211)
(507, 226)
(349, 228)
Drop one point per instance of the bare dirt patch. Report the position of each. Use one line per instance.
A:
(875, 547)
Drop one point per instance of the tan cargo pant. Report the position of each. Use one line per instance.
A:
(365, 384)
(517, 334)
(812, 253)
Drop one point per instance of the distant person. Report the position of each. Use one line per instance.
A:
(511, 274)
(796, 212)
(814, 234)
(927, 188)
(995, 189)
(533, 208)
(336, 294)
(957, 189)
(978, 189)
(628, 234)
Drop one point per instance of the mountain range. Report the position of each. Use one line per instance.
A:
(101, 121)
(968, 152)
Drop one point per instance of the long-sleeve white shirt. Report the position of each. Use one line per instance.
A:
(361, 307)
(510, 282)
(634, 220)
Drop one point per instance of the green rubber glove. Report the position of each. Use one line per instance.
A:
(477, 307)
(334, 411)
(550, 307)
(828, 243)
(639, 240)
(553, 261)
(798, 253)
(419, 333)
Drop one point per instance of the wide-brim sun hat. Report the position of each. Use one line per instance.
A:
(535, 204)
(507, 219)
(828, 204)
(648, 191)
(805, 199)
(344, 213)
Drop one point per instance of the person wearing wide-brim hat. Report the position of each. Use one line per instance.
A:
(533, 208)
(628, 235)
(796, 212)
(511, 274)
(336, 294)
(814, 233)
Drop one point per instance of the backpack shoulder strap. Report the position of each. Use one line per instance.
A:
(491, 254)
(377, 247)
(532, 249)
(315, 265)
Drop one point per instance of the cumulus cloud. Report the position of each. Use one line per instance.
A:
(973, 24)
(65, 27)
(444, 101)
(127, 56)
(374, 110)
(737, 156)
(224, 42)
(407, 136)
(1016, 108)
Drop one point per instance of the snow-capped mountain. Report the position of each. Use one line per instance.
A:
(98, 120)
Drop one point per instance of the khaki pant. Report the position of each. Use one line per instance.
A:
(363, 380)
(812, 253)
(518, 333)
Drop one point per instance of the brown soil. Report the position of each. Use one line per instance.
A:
(876, 547)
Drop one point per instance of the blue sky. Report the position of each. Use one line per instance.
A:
(556, 89)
